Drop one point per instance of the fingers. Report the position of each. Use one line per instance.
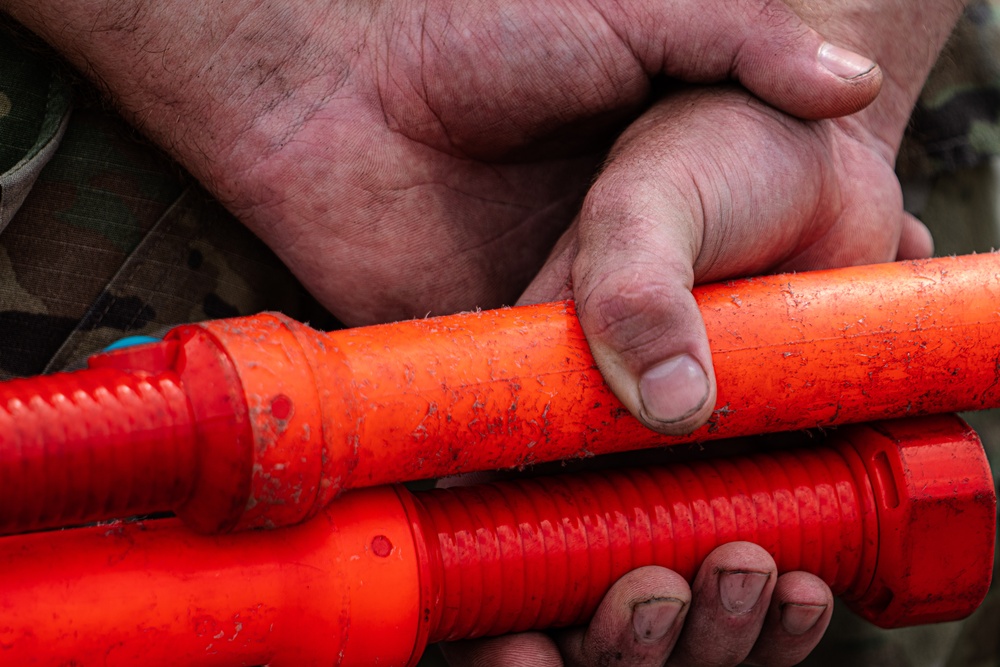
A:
(799, 613)
(763, 44)
(644, 327)
(737, 610)
(790, 66)
(708, 185)
(637, 623)
(632, 283)
(730, 602)
(632, 280)
(915, 240)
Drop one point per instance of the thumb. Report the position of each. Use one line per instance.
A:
(633, 294)
(763, 44)
(707, 184)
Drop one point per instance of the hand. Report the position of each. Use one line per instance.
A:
(738, 609)
(711, 184)
(707, 184)
(411, 158)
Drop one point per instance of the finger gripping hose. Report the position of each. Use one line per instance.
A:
(898, 518)
(526, 570)
(261, 421)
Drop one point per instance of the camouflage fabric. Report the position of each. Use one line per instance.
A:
(114, 239)
(30, 130)
(956, 123)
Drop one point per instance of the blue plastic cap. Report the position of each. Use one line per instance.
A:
(130, 341)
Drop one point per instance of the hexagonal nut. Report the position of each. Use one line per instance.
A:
(936, 520)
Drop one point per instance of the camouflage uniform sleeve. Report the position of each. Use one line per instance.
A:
(34, 113)
(956, 123)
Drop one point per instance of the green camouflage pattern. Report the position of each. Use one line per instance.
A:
(30, 130)
(956, 122)
(113, 239)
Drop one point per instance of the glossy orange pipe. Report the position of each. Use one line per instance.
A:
(261, 421)
(898, 517)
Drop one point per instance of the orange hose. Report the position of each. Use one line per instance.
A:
(275, 418)
(896, 517)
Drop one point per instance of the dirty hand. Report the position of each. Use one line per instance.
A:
(737, 610)
(409, 158)
(710, 184)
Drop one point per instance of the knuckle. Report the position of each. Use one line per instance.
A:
(620, 189)
(774, 32)
(773, 14)
(629, 309)
(620, 300)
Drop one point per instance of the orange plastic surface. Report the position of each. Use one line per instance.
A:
(381, 571)
(260, 421)
(157, 594)
(507, 388)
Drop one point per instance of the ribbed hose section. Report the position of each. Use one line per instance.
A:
(76, 447)
(512, 556)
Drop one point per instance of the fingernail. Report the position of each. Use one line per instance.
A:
(653, 619)
(674, 389)
(740, 591)
(798, 619)
(845, 64)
